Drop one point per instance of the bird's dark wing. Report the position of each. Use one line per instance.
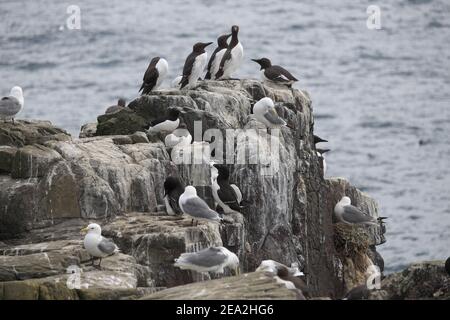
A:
(225, 58)
(213, 56)
(198, 208)
(353, 215)
(273, 118)
(150, 78)
(187, 69)
(228, 196)
(279, 74)
(9, 106)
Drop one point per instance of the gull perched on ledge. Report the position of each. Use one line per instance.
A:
(349, 214)
(12, 104)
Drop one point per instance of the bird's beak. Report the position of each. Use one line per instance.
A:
(84, 230)
(206, 44)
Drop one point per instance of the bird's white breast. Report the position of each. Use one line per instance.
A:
(198, 67)
(91, 242)
(216, 63)
(163, 68)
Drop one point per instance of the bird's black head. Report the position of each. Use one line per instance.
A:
(154, 61)
(224, 173)
(222, 40)
(173, 114)
(200, 46)
(121, 102)
(171, 183)
(318, 139)
(234, 30)
(263, 62)
(322, 151)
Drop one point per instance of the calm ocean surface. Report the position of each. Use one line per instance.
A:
(381, 97)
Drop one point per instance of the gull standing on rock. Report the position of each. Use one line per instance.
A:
(232, 58)
(173, 189)
(264, 111)
(96, 245)
(167, 123)
(12, 104)
(154, 75)
(194, 65)
(212, 259)
(346, 213)
(216, 57)
(275, 73)
(197, 208)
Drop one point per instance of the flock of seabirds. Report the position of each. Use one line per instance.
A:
(180, 199)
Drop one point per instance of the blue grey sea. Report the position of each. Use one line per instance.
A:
(380, 96)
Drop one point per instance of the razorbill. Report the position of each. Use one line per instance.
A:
(346, 213)
(216, 57)
(264, 111)
(173, 189)
(194, 206)
(96, 245)
(320, 154)
(194, 65)
(227, 196)
(212, 259)
(179, 136)
(275, 73)
(113, 109)
(12, 104)
(167, 123)
(232, 58)
(154, 75)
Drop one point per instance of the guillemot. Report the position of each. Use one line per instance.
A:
(275, 73)
(173, 189)
(216, 57)
(227, 196)
(154, 75)
(194, 65)
(232, 58)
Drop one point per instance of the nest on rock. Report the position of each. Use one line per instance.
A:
(352, 243)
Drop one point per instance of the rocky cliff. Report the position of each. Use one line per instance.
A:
(52, 184)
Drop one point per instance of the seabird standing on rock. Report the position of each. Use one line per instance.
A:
(264, 111)
(275, 73)
(120, 105)
(226, 195)
(194, 65)
(212, 259)
(216, 57)
(173, 189)
(349, 214)
(179, 136)
(167, 123)
(320, 153)
(232, 58)
(12, 104)
(197, 208)
(96, 245)
(154, 75)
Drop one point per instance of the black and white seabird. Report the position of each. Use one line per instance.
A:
(232, 58)
(264, 111)
(96, 245)
(167, 123)
(227, 196)
(12, 104)
(216, 57)
(275, 73)
(194, 65)
(154, 75)
(197, 208)
(212, 259)
(347, 213)
(113, 109)
(173, 189)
